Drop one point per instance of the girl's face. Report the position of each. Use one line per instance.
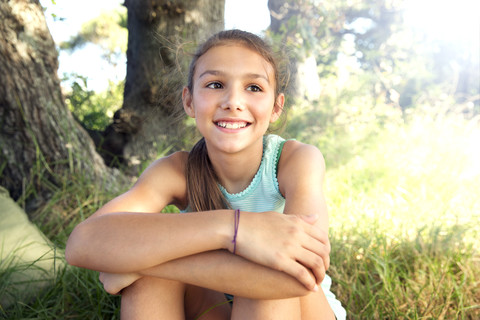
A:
(233, 99)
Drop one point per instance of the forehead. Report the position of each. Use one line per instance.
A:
(234, 59)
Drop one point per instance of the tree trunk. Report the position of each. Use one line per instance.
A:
(304, 80)
(39, 139)
(157, 30)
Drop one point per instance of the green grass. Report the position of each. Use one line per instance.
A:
(405, 219)
(405, 224)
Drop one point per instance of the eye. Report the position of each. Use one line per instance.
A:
(254, 88)
(214, 85)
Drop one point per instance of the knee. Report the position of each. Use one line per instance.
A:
(153, 298)
(288, 309)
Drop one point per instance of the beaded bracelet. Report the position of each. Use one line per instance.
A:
(236, 223)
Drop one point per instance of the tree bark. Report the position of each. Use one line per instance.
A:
(304, 80)
(157, 31)
(39, 139)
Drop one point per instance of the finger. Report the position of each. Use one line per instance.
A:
(308, 223)
(319, 249)
(313, 262)
(318, 234)
(299, 272)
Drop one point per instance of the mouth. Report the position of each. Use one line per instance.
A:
(232, 124)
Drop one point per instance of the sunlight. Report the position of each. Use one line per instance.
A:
(239, 14)
(447, 20)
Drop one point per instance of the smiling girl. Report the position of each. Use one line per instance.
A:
(254, 222)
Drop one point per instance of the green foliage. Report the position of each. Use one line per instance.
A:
(404, 221)
(75, 294)
(307, 28)
(405, 63)
(108, 31)
(345, 112)
(93, 109)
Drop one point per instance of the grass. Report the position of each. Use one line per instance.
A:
(404, 213)
(405, 219)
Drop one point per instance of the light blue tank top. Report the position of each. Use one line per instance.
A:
(262, 194)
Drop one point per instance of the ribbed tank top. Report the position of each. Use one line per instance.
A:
(263, 193)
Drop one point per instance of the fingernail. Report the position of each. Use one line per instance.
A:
(315, 289)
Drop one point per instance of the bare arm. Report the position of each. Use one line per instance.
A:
(224, 272)
(124, 236)
(301, 177)
(221, 271)
(128, 242)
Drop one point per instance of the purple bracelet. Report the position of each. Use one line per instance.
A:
(236, 223)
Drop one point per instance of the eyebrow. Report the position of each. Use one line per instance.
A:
(221, 73)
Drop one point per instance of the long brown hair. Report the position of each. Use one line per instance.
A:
(202, 183)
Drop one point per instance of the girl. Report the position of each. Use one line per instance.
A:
(255, 222)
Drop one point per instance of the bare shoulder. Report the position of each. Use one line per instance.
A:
(300, 164)
(161, 184)
(173, 164)
(296, 155)
(165, 177)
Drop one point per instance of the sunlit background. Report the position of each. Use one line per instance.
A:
(68, 17)
(393, 103)
(451, 21)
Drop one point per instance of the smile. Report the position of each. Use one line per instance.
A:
(232, 125)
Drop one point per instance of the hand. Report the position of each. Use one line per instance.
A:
(312, 219)
(113, 283)
(287, 243)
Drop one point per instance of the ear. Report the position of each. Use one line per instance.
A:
(187, 100)
(277, 108)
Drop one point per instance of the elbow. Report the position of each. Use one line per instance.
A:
(70, 256)
(74, 250)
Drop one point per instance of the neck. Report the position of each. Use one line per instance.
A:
(235, 171)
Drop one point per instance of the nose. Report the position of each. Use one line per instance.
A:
(233, 99)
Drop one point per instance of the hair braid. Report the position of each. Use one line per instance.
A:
(202, 183)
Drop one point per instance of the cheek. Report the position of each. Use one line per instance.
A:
(204, 99)
(201, 109)
(264, 105)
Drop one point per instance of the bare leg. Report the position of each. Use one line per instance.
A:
(315, 306)
(311, 307)
(285, 309)
(155, 298)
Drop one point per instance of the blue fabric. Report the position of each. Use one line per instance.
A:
(263, 193)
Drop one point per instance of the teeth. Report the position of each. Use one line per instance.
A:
(231, 125)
